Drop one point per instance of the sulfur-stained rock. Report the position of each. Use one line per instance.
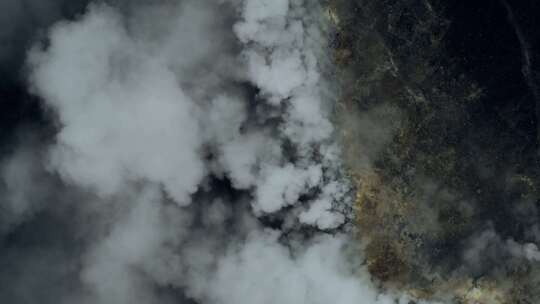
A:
(445, 169)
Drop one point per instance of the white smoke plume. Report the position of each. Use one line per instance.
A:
(199, 136)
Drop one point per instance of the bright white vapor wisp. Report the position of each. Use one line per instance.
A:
(201, 135)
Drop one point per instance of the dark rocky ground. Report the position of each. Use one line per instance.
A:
(463, 158)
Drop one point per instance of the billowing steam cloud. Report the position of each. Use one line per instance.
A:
(194, 159)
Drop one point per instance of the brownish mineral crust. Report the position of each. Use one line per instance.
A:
(423, 190)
